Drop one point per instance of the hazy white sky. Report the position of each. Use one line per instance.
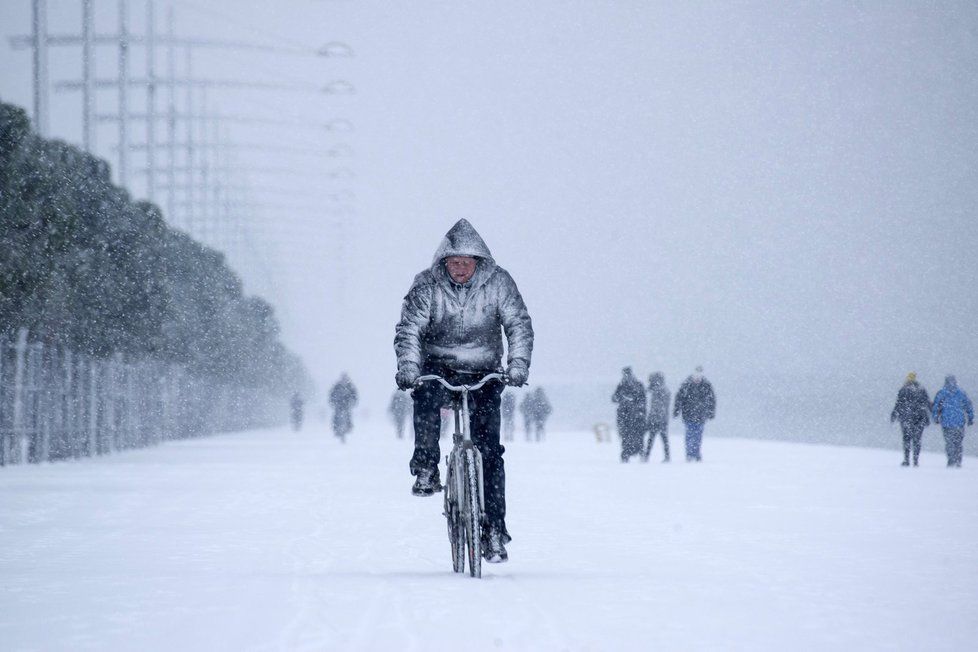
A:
(758, 187)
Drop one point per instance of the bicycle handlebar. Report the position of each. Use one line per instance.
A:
(460, 388)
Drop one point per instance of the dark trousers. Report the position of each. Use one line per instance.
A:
(953, 444)
(912, 434)
(631, 426)
(660, 430)
(484, 403)
(694, 439)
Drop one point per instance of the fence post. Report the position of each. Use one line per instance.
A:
(44, 384)
(18, 434)
(93, 444)
(133, 407)
(108, 402)
(67, 402)
(3, 431)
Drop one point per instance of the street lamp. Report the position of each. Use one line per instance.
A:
(335, 49)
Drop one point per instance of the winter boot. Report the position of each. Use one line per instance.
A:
(493, 548)
(426, 483)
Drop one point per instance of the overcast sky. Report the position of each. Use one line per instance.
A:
(761, 188)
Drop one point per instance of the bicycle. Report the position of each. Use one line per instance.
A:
(464, 501)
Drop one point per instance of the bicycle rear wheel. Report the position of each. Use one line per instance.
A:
(472, 509)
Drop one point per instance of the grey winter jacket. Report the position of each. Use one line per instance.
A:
(461, 326)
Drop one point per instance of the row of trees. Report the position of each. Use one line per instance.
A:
(84, 267)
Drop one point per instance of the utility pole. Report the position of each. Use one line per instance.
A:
(189, 214)
(88, 77)
(150, 100)
(123, 93)
(39, 43)
(171, 115)
(204, 167)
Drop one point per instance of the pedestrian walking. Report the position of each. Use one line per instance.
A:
(696, 403)
(630, 397)
(952, 409)
(399, 408)
(541, 412)
(912, 410)
(343, 397)
(526, 409)
(658, 420)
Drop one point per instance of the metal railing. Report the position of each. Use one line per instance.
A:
(56, 404)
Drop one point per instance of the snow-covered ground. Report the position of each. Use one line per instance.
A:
(278, 541)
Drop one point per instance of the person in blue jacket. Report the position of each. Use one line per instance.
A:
(951, 407)
(696, 402)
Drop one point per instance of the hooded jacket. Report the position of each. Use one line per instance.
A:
(630, 397)
(444, 324)
(343, 395)
(952, 405)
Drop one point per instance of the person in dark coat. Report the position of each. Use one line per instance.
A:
(658, 421)
(398, 409)
(630, 397)
(296, 411)
(951, 407)
(508, 412)
(342, 398)
(912, 410)
(541, 412)
(526, 409)
(696, 403)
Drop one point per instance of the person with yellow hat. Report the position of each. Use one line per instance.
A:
(912, 409)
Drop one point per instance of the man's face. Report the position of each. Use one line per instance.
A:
(460, 268)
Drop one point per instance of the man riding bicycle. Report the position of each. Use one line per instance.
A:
(452, 324)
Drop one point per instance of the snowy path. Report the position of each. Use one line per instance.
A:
(275, 541)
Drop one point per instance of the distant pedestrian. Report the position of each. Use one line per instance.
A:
(508, 411)
(541, 412)
(658, 421)
(951, 407)
(296, 406)
(526, 409)
(342, 398)
(697, 403)
(399, 408)
(912, 410)
(630, 397)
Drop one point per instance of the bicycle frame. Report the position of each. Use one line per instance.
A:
(459, 499)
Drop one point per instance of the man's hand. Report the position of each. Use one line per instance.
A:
(406, 377)
(517, 373)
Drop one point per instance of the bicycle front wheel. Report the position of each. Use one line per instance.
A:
(472, 509)
(456, 529)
